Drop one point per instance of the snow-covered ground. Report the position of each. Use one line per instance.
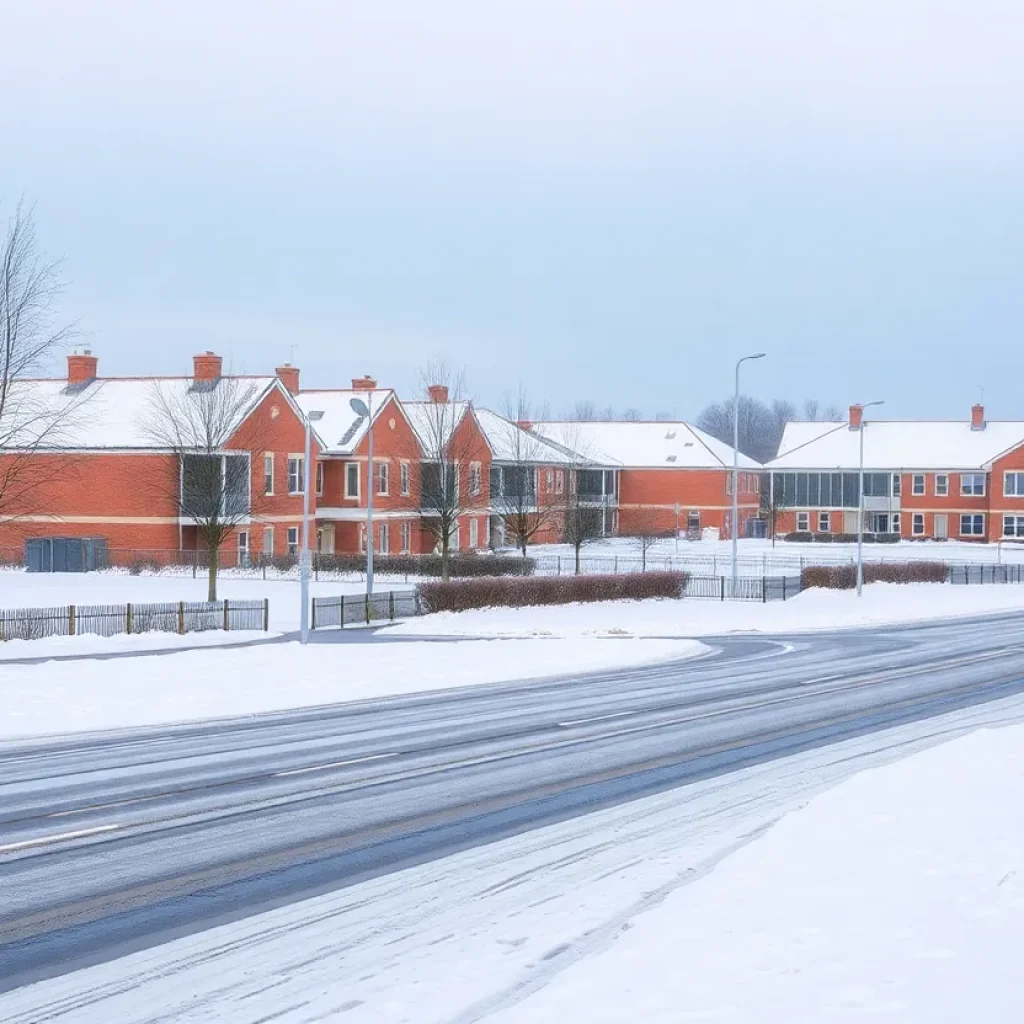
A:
(76, 696)
(881, 603)
(898, 896)
(88, 644)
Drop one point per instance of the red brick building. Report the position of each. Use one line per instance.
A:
(924, 479)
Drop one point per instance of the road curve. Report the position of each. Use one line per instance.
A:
(112, 843)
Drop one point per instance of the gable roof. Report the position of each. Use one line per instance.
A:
(435, 423)
(897, 445)
(107, 413)
(510, 442)
(644, 445)
(341, 429)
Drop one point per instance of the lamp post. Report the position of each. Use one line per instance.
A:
(860, 501)
(736, 471)
(304, 556)
(361, 408)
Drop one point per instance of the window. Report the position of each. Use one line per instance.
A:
(972, 526)
(403, 478)
(215, 486)
(474, 534)
(293, 540)
(549, 480)
(296, 474)
(918, 487)
(382, 477)
(474, 478)
(351, 479)
(243, 549)
(824, 522)
(1013, 485)
(972, 483)
(917, 524)
(319, 478)
(1013, 526)
(897, 485)
(803, 521)
(383, 538)
(268, 540)
(894, 523)
(559, 481)
(941, 485)
(406, 537)
(268, 473)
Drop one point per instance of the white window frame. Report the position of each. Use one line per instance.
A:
(243, 541)
(918, 485)
(559, 481)
(294, 546)
(319, 479)
(917, 524)
(403, 478)
(805, 519)
(268, 474)
(972, 493)
(268, 534)
(1017, 476)
(1016, 522)
(349, 467)
(824, 522)
(474, 534)
(475, 478)
(383, 538)
(406, 536)
(549, 480)
(895, 523)
(299, 462)
(896, 489)
(974, 517)
(382, 472)
(941, 485)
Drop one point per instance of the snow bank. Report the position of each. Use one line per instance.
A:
(897, 896)
(88, 644)
(882, 603)
(73, 696)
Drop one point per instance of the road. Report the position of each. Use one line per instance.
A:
(109, 845)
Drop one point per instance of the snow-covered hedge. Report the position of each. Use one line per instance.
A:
(517, 592)
(844, 577)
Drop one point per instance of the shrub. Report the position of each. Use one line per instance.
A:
(844, 538)
(137, 566)
(844, 577)
(799, 537)
(284, 563)
(823, 538)
(517, 592)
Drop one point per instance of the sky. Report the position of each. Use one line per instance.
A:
(604, 201)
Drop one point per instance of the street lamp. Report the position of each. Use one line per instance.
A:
(313, 416)
(860, 501)
(736, 471)
(361, 408)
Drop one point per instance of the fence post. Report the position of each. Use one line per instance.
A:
(266, 614)
(764, 590)
(783, 588)
(723, 587)
(181, 618)
(71, 620)
(367, 609)
(342, 625)
(615, 568)
(312, 624)
(558, 567)
(391, 604)
(227, 624)
(128, 618)
(264, 568)
(193, 565)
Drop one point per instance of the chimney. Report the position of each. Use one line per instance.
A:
(524, 424)
(81, 367)
(364, 383)
(856, 416)
(207, 366)
(289, 376)
(438, 394)
(977, 417)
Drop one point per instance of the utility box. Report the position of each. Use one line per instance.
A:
(65, 554)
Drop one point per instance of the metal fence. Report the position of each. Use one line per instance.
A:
(113, 619)
(964, 574)
(350, 609)
(748, 588)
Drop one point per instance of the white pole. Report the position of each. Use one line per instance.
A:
(371, 484)
(304, 554)
(735, 478)
(860, 512)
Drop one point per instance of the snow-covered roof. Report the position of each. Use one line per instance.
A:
(644, 445)
(511, 443)
(106, 413)
(341, 429)
(897, 444)
(434, 423)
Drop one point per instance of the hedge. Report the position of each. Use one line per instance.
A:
(517, 592)
(844, 577)
(460, 565)
(806, 537)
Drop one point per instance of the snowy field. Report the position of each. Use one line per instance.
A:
(77, 696)
(897, 896)
(881, 604)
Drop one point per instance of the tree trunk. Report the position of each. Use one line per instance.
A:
(578, 546)
(643, 559)
(445, 568)
(214, 556)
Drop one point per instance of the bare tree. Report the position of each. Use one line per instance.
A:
(647, 527)
(36, 423)
(583, 515)
(530, 495)
(773, 504)
(207, 482)
(632, 415)
(761, 425)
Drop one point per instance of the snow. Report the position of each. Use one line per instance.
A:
(897, 444)
(86, 695)
(511, 443)
(644, 445)
(896, 896)
(88, 645)
(470, 937)
(340, 429)
(434, 422)
(882, 603)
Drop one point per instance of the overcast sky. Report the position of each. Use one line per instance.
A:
(605, 200)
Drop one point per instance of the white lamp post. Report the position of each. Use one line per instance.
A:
(860, 501)
(304, 555)
(361, 408)
(736, 471)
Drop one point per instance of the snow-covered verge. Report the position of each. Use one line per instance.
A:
(87, 644)
(76, 696)
(881, 604)
(896, 896)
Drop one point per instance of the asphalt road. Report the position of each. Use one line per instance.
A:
(113, 844)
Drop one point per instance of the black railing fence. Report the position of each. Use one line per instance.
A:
(353, 609)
